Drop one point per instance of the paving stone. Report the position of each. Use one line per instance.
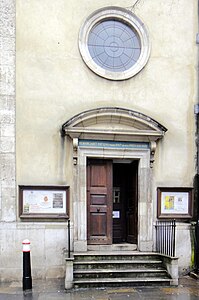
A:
(188, 289)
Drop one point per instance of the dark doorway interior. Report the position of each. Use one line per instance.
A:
(125, 202)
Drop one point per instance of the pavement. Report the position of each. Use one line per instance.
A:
(188, 289)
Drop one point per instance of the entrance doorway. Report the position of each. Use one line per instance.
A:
(112, 201)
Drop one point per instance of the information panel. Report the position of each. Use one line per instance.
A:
(43, 202)
(174, 202)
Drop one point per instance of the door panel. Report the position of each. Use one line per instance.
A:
(125, 202)
(99, 202)
(132, 205)
(119, 203)
(118, 214)
(99, 224)
(98, 199)
(98, 174)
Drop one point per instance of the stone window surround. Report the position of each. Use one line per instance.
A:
(123, 15)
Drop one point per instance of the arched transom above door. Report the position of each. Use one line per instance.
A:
(115, 124)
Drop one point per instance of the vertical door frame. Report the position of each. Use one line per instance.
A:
(145, 205)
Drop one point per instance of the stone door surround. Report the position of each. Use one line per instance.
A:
(89, 132)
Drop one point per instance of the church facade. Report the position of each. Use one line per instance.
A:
(97, 126)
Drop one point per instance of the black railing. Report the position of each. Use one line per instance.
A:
(195, 232)
(68, 238)
(165, 237)
(197, 247)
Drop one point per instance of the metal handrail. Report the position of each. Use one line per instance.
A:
(69, 238)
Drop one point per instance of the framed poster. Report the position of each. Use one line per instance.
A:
(44, 202)
(174, 202)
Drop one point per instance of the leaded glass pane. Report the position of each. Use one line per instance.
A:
(114, 45)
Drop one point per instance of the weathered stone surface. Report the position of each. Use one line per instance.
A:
(7, 83)
(47, 262)
(7, 113)
(7, 144)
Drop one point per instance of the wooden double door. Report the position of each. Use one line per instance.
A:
(111, 201)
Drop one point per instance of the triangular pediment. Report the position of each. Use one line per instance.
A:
(113, 124)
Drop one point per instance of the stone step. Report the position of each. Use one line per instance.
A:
(118, 264)
(85, 262)
(100, 269)
(113, 273)
(126, 255)
(104, 282)
(88, 271)
(113, 247)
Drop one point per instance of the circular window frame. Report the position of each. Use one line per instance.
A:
(125, 16)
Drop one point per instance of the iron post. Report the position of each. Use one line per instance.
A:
(27, 279)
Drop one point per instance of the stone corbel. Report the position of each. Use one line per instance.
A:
(75, 149)
(152, 148)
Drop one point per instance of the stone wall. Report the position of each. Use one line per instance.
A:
(7, 111)
(53, 84)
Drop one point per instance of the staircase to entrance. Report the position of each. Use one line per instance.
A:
(123, 268)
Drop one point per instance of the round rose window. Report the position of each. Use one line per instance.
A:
(114, 43)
